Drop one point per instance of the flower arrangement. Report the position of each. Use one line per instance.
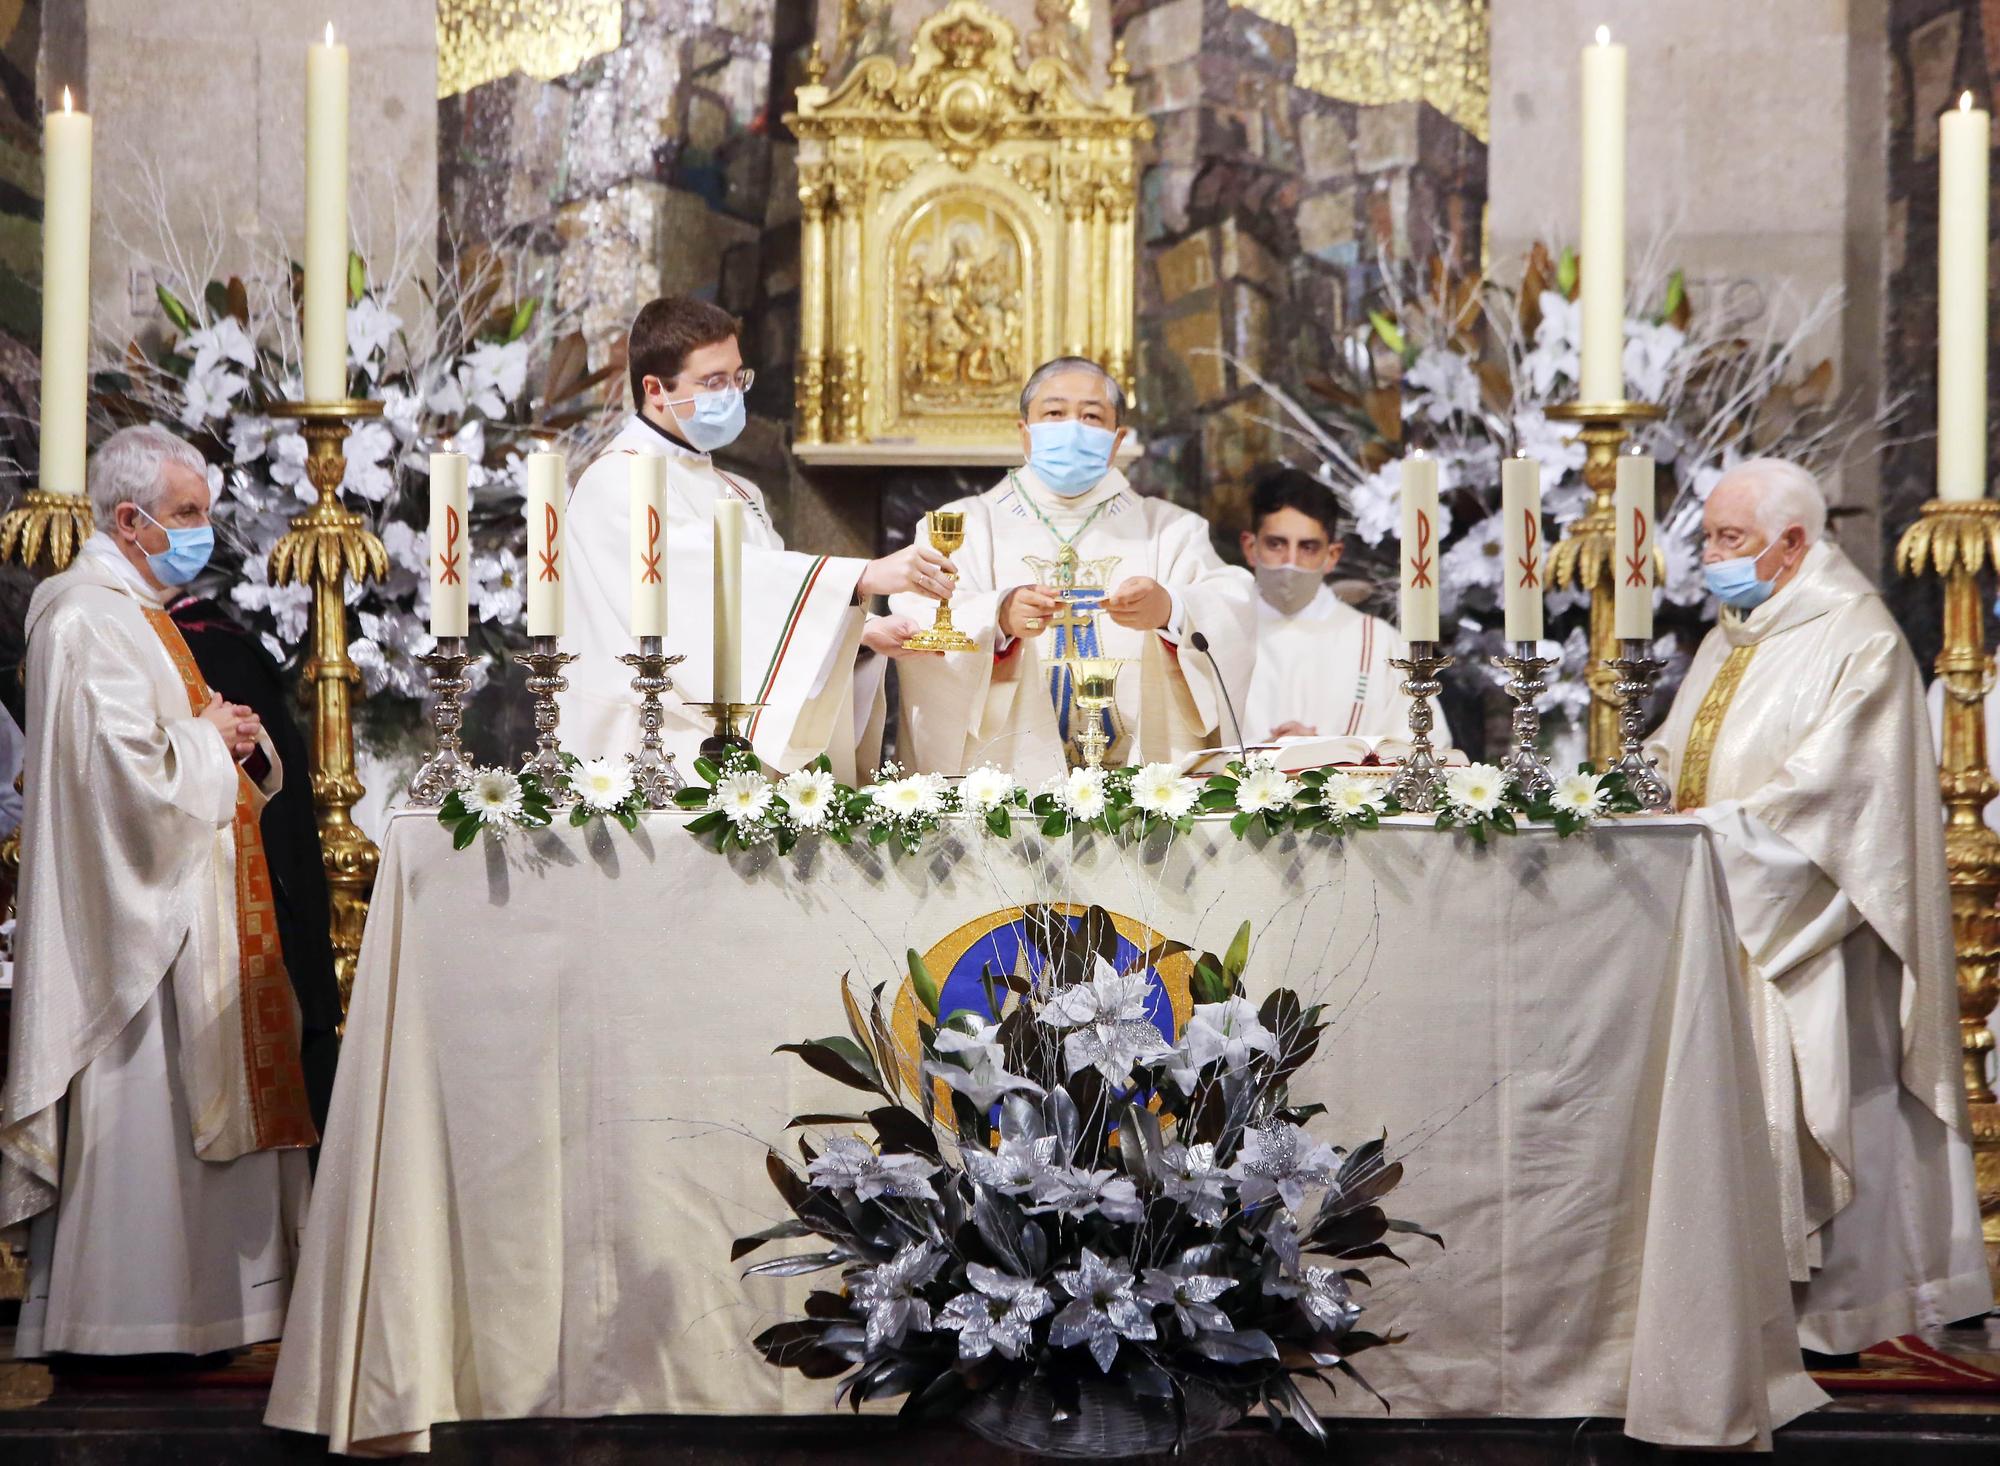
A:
(494, 799)
(467, 359)
(1466, 368)
(1063, 1220)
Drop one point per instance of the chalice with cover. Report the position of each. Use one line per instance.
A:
(946, 528)
(1096, 690)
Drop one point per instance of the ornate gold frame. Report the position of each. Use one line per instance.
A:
(963, 175)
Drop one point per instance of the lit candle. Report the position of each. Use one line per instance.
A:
(1521, 542)
(546, 486)
(1419, 548)
(326, 222)
(1964, 157)
(728, 600)
(65, 297)
(648, 478)
(451, 545)
(1633, 503)
(1603, 233)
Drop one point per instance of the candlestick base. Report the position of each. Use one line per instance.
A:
(653, 770)
(446, 768)
(545, 662)
(1637, 670)
(1419, 784)
(726, 739)
(1526, 682)
(46, 525)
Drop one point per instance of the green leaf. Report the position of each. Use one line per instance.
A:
(707, 822)
(1056, 824)
(357, 278)
(999, 821)
(1390, 333)
(524, 316)
(922, 983)
(1676, 293)
(1237, 958)
(1566, 274)
(579, 815)
(1239, 825)
(627, 817)
(838, 1058)
(176, 312)
(693, 798)
(709, 773)
(465, 832)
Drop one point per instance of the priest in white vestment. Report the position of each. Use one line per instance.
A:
(1053, 539)
(155, 1120)
(1800, 738)
(1322, 665)
(811, 653)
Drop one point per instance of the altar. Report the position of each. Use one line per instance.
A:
(558, 1087)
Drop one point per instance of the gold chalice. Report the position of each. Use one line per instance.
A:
(1096, 690)
(947, 532)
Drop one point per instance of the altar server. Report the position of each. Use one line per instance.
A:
(1800, 738)
(1322, 666)
(150, 989)
(809, 652)
(1054, 538)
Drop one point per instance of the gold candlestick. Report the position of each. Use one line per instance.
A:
(947, 533)
(46, 526)
(1584, 555)
(730, 719)
(1096, 691)
(324, 547)
(1956, 541)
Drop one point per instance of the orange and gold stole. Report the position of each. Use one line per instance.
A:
(280, 1115)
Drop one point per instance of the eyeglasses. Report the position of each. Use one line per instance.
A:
(722, 381)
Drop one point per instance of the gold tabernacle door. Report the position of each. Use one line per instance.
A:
(965, 219)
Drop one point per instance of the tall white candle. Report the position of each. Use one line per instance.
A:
(1633, 503)
(1964, 158)
(1521, 542)
(728, 600)
(1603, 234)
(546, 486)
(648, 479)
(65, 297)
(326, 222)
(1419, 548)
(451, 545)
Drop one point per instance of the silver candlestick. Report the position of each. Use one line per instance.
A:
(1637, 671)
(1527, 680)
(1420, 781)
(446, 768)
(545, 679)
(652, 770)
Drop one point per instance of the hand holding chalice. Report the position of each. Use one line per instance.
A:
(946, 528)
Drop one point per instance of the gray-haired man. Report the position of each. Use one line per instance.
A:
(155, 1118)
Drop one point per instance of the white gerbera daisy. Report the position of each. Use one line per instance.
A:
(808, 797)
(1582, 795)
(1082, 794)
(1264, 787)
(985, 789)
(494, 795)
(1346, 796)
(743, 797)
(602, 783)
(935, 790)
(1477, 789)
(903, 799)
(1162, 789)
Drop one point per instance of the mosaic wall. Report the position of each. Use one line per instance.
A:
(1938, 49)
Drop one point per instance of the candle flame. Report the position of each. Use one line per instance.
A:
(329, 33)
(67, 107)
(1604, 35)
(1965, 101)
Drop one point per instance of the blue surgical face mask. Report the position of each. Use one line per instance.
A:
(1736, 584)
(1070, 457)
(717, 421)
(185, 556)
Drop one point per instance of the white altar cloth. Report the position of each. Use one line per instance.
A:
(557, 1081)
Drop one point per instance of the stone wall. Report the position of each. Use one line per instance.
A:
(1937, 49)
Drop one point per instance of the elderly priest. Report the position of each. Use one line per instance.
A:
(1800, 738)
(155, 1117)
(1057, 539)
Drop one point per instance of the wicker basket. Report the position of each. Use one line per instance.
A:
(1110, 1421)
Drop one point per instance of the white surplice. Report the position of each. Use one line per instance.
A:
(1327, 667)
(801, 653)
(996, 705)
(1822, 792)
(152, 1229)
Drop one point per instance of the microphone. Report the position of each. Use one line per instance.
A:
(1200, 644)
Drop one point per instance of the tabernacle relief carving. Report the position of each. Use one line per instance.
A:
(964, 218)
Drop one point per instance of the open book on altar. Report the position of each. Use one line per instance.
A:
(1312, 751)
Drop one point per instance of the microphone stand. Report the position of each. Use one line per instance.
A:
(1200, 644)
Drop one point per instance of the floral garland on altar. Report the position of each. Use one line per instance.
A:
(740, 806)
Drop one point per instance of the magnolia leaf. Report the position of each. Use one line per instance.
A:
(792, 1267)
(839, 1059)
(524, 316)
(922, 983)
(790, 1227)
(1568, 272)
(357, 278)
(1237, 958)
(176, 312)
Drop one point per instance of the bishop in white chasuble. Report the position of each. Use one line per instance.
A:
(1799, 737)
(155, 1115)
(1052, 541)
